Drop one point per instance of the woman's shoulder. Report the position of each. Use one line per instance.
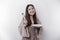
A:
(38, 21)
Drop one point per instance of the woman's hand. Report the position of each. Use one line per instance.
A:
(24, 22)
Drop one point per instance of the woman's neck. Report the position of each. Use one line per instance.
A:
(31, 17)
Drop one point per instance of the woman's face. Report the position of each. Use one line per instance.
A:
(31, 10)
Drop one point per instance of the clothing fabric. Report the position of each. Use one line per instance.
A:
(30, 34)
(23, 32)
(33, 34)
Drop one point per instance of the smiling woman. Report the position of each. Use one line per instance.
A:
(25, 29)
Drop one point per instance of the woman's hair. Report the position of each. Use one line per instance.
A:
(28, 16)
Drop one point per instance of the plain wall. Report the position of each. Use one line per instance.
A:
(48, 11)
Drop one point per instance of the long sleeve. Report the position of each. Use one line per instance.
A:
(20, 27)
(23, 32)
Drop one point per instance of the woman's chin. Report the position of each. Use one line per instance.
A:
(32, 14)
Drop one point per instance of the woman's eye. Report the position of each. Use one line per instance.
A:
(32, 8)
(29, 9)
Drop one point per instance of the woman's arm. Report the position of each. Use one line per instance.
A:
(22, 24)
(20, 27)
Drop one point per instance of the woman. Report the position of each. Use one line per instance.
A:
(25, 29)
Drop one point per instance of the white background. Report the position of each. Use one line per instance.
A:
(48, 12)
